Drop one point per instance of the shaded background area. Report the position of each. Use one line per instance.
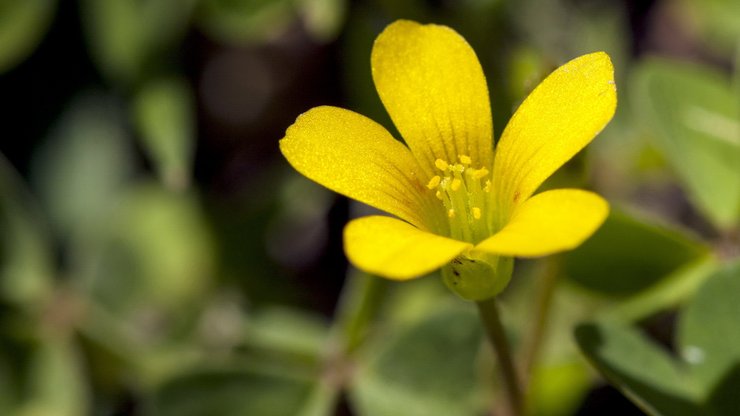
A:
(159, 256)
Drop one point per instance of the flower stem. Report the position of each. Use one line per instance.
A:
(488, 310)
(545, 296)
(361, 298)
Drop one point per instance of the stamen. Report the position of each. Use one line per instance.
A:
(480, 173)
(460, 188)
(434, 182)
(455, 185)
(441, 164)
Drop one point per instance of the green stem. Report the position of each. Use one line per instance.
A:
(359, 302)
(488, 310)
(361, 298)
(542, 313)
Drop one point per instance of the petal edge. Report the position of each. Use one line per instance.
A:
(432, 85)
(357, 157)
(397, 250)
(558, 119)
(548, 223)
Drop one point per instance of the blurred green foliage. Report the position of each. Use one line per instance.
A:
(157, 257)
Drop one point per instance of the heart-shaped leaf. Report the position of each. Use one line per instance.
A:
(709, 333)
(692, 117)
(642, 370)
(614, 261)
(703, 380)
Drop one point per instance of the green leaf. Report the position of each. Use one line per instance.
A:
(705, 379)
(229, 393)
(282, 330)
(723, 399)
(709, 332)
(126, 35)
(614, 260)
(692, 117)
(164, 114)
(718, 21)
(323, 18)
(558, 389)
(642, 370)
(240, 21)
(671, 291)
(26, 271)
(56, 385)
(22, 26)
(428, 369)
(159, 251)
(8, 381)
(83, 165)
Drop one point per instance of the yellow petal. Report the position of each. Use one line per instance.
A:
(547, 223)
(559, 118)
(354, 156)
(397, 250)
(433, 87)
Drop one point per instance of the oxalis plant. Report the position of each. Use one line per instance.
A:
(457, 204)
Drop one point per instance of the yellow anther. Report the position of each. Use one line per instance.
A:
(457, 168)
(487, 188)
(465, 160)
(434, 182)
(451, 213)
(480, 173)
(476, 213)
(441, 164)
(455, 185)
(439, 195)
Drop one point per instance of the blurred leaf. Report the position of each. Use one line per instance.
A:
(693, 119)
(723, 400)
(241, 21)
(8, 382)
(643, 371)
(707, 378)
(285, 330)
(83, 165)
(428, 369)
(324, 18)
(164, 114)
(26, 270)
(670, 291)
(565, 29)
(124, 35)
(161, 253)
(322, 401)
(526, 69)
(22, 26)
(614, 260)
(229, 392)
(709, 332)
(557, 389)
(56, 383)
(718, 21)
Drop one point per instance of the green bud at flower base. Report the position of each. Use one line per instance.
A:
(478, 277)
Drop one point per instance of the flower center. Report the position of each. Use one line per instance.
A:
(464, 192)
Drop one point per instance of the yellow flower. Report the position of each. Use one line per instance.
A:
(460, 207)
